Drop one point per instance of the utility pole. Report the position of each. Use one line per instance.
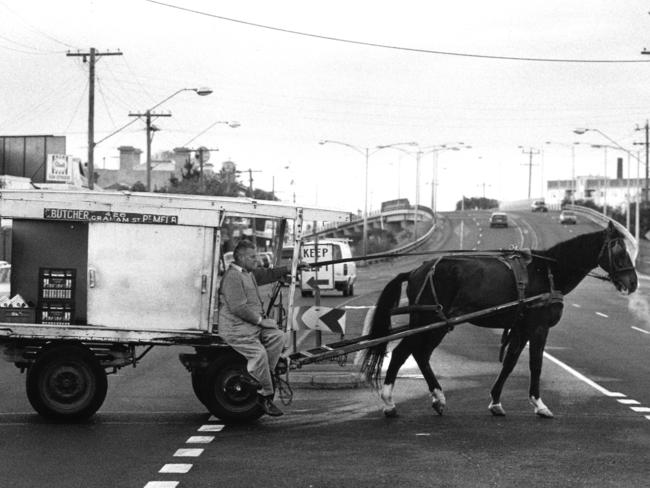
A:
(150, 130)
(531, 151)
(646, 128)
(250, 190)
(91, 57)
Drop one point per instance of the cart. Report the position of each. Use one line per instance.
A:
(106, 276)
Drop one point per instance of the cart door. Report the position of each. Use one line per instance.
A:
(149, 276)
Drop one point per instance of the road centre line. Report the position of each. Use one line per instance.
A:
(641, 330)
(602, 315)
(161, 484)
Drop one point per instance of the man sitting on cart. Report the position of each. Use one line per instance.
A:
(243, 324)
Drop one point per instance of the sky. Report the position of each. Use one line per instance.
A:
(503, 78)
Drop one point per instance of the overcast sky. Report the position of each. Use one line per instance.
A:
(289, 90)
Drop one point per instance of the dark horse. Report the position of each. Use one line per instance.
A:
(457, 284)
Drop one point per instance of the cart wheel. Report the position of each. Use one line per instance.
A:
(66, 383)
(225, 394)
(351, 290)
(306, 293)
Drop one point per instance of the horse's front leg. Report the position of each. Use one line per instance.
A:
(517, 343)
(536, 356)
(398, 356)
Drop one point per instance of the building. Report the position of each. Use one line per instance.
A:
(132, 170)
(613, 192)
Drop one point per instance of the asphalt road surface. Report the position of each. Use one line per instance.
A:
(152, 432)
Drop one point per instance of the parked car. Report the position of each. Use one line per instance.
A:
(539, 206)
(568, 217)
(499, 219)
(339, 276)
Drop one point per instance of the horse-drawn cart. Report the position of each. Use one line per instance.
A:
(98, 279)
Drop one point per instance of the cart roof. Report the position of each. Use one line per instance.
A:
(131, 207)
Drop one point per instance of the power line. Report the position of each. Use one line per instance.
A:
(398, 48)
(30, 26)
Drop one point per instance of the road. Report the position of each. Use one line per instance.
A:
(595, 371)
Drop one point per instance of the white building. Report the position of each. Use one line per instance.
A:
(612, 192)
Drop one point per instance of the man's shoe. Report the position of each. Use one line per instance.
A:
(269, 407)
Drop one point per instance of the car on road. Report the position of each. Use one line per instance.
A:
(568, 217)
(539, 206)
(339, 276)
(499, 219)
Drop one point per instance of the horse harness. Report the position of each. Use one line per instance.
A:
(517, 262)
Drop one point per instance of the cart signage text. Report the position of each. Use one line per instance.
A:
(107, 216)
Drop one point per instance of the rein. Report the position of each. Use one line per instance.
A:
(606, 249)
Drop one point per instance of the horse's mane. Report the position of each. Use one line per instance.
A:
(580, 247)
(572, 259)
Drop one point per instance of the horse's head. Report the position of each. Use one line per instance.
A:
(616, 261)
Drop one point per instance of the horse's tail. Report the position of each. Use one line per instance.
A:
(380, 327)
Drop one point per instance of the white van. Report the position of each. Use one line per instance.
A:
(340, 276)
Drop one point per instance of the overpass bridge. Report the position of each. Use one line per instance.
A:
(394, 220)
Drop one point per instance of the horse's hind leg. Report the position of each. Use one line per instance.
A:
(517, 343)
(398, 356)
(422, 356)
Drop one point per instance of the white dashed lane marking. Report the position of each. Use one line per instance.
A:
(187, 452)
(176, 468)
(641, 330)
(200, 439)
(602, 315)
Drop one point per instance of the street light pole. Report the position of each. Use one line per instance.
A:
(149, 113)
(366, 153)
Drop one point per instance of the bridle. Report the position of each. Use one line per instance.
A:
(608, 257)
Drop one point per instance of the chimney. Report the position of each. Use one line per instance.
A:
(619, 169)
(129, 157)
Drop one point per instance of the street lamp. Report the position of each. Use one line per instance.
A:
(573, 166)
(421, 151)
(367, 153)
(203, 153)
(148, 115)
(605, 147)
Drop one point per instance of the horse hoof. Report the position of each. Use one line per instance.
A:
(497, 410)
(540, 409)
(439, 407)
(390, 413)
(544, 413)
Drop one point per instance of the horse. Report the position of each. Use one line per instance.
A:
(455, 284)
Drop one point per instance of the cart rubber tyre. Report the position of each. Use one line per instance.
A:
(306, 293)
(225, 394)
(66, 383)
